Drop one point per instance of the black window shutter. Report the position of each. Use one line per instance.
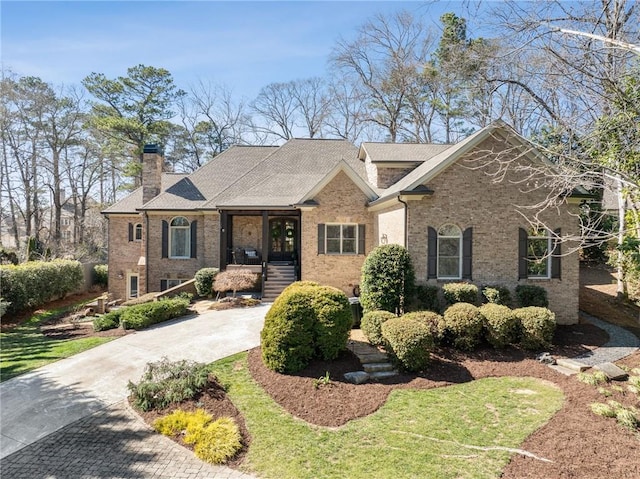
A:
(361, 239)
(523, 240)
(165, 239)
(321, 238)
(163, 284)
(467, 250)
(556, 264)
(130, 231)
(432, 258)
(194, 239)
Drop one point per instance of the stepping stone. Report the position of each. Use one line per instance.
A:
(376, 367)
(373, 357)
(572, 364)
(357, 377)
(383, 374)
(612, 371)
(562, 370)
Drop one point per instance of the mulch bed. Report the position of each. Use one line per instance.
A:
(63, 329)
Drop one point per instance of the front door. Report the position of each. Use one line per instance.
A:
(132, 285)
(282, 238)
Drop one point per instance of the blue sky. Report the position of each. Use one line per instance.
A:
(244, 45)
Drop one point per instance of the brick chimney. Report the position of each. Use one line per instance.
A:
(152, 162)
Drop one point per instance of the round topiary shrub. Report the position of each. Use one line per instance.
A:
(408, 341)
(433, 321)
(460, 293)
(497, 295)
(333, 320)
(531, 295)
(537, 326)
(204, 281)
(388, 279)
(463, 325)
(371, 325)
(287, 336)
(500, 323)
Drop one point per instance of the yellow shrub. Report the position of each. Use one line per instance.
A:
(180, 420)
(218, 441)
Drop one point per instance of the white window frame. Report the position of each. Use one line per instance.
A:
(177, 282)
(137, 227)
(531, 235)
(129, 276)
(341, 239)
(438, 256)
(187, 228)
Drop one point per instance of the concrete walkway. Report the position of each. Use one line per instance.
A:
(35, 405)
(621, 343)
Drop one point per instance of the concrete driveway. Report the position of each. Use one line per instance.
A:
(36, 404)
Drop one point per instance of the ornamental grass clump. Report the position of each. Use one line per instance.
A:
(500, 325)
(371, 325)
(165, 382)
(537, 326)
(460, 293)
(463, 326)
(408, 341)
(593, 379)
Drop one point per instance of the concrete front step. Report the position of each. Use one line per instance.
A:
(377, 367)
(572, 364)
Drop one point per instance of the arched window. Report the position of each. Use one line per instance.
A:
(179, 238)
(137, 232)
(449, 252)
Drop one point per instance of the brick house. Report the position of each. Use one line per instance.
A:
(312, 209)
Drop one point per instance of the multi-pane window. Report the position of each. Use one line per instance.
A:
(449, 252)
(137, 232)
(539, 253)
(179, 238)
(341, 238)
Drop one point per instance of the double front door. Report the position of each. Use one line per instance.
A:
(283, 234)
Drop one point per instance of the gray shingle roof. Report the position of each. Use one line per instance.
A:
(401, 152)
(133, 201)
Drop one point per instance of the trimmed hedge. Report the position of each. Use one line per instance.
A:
(531, 295)
(500, 323)
(433, 321)
(537, 326)
(388, 279)
(34, 283)
(144, 315)
(426, 297)
(111, 320)
(371, 325)
(306, 321)
(460, 293)
(463, 325)
(408, 341)
(204, 281)
(497, 295)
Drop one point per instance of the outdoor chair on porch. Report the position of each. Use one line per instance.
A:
(247, 256)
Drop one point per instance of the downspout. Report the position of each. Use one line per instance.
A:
(406, 222)
(146, 253)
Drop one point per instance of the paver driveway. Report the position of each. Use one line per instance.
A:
(34, 405)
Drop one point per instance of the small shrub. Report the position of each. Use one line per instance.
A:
(144, 315)
(497, 295)
(322, 381)
(180, 421)
(101, 275)
(460, 293)
(165, 382)
(234, 280)
(500, 324)
(388, 279)
(634, 380)
(216, 443)
(605, 392)
(433, 321)
(333, 321)
(204, 281)
(537, 326)
(408, 341)
(531, 295)
(628, 418)
(426, 298)
(371, 325)
(111, 320)
(603, 410)
(463, 325)
(595, 379)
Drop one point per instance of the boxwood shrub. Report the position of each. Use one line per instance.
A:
(500, 324)
(531, 295)
(463, 325)
(204, 281)
(426, 297)
(307, 320)
(497, 295)
(460, 293)
(537, 326)
(371, 325)
(34, 283)
(408, 341)
(144, 315)
(433, 321)
(111, 320)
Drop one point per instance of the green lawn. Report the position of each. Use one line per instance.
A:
(439, 433)
(25, 348)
